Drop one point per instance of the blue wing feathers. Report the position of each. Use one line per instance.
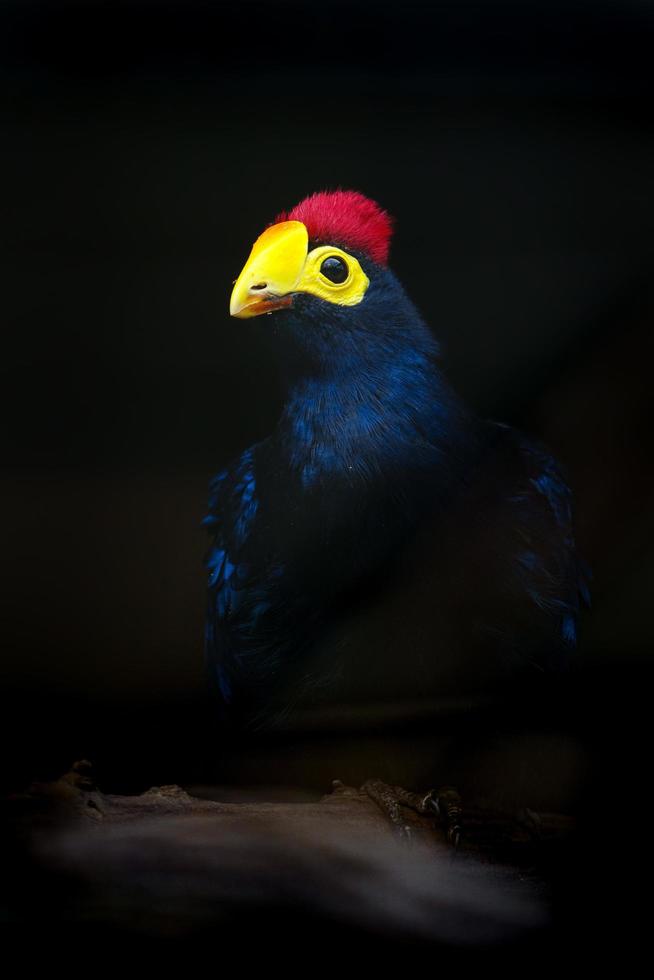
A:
(555, 578)
(252, 627)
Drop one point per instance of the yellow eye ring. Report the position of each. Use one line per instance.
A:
(347, 293)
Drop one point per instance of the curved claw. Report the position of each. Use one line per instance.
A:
(446, 805)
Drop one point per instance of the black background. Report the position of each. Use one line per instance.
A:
(144, 147)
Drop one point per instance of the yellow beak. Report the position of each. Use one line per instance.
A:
(272, 271)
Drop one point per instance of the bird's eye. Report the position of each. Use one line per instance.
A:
(334, 269)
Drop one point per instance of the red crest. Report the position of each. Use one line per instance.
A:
(345, 218)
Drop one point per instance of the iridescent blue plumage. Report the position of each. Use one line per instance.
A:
(382, 542)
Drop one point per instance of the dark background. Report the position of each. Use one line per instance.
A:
(144, 146)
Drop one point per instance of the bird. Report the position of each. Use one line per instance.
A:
(383, 545)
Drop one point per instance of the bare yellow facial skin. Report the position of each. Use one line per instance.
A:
(281, 265)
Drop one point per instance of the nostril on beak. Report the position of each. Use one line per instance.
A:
(258, 287)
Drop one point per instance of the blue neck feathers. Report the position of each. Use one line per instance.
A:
(366, 400)
(388, 415)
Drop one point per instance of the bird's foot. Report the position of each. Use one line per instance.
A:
(443, 804)
(447, 805)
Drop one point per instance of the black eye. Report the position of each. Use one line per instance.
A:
(334, 269)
